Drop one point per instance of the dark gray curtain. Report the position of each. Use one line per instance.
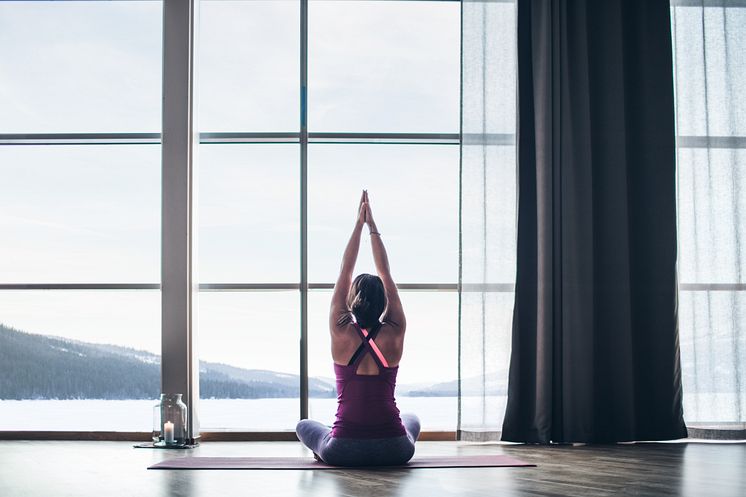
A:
(595, 353)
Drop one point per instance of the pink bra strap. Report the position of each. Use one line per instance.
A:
(372, 347)
(375, 348)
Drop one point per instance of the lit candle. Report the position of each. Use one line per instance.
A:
(168, 432)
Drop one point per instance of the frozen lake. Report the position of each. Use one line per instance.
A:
(436, 413)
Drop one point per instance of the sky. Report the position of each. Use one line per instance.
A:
(91, 214)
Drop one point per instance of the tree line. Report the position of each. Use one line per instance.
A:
(44, 367)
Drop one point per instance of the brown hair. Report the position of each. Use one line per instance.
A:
(367, 300)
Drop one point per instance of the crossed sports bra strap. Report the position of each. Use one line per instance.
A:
(370, 345)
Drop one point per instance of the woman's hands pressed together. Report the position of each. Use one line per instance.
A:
(365, 214)
(362, 209)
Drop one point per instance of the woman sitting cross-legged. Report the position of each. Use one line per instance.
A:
(367, 330)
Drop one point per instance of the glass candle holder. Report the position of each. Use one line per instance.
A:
(170, 421)
(157, 423)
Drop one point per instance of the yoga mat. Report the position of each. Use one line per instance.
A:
(481, 461)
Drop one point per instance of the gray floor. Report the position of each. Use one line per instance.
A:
(115, 469)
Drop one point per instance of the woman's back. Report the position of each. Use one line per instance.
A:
(346, 340)
(366, 403)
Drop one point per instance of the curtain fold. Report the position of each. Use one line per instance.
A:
(595, 353)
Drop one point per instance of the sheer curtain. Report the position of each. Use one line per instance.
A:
(710, 70)
(487, 214)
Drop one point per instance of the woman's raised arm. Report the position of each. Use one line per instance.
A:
(344, 280)
(394, 312)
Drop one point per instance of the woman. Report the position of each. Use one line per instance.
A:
(367, 326)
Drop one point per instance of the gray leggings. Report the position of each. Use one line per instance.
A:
(359, 452)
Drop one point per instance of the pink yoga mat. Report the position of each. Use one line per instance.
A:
(483, 461)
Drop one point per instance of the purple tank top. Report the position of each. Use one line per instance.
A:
(366, 405)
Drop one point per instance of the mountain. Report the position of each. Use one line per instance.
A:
(45, 367)
(494, 384)
(288, 382)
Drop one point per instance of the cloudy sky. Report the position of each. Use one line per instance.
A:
(91, 214)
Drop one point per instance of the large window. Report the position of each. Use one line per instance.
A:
(80, 203)
(383, 114)
(80, 91)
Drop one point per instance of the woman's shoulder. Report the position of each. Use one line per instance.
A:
(343, 332)
(393, 327)
(342, 323)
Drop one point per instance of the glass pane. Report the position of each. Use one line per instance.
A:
(79, 360)
(489, 69)
(413, 191)
(713, 346)
(80, 66)
(384, 66)
(711, 207)
(710, 62)
(488, 213)
(249, 65)
(249, 360)
(249, 213)
(80, 214)
(485, 357)
(427, 380)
